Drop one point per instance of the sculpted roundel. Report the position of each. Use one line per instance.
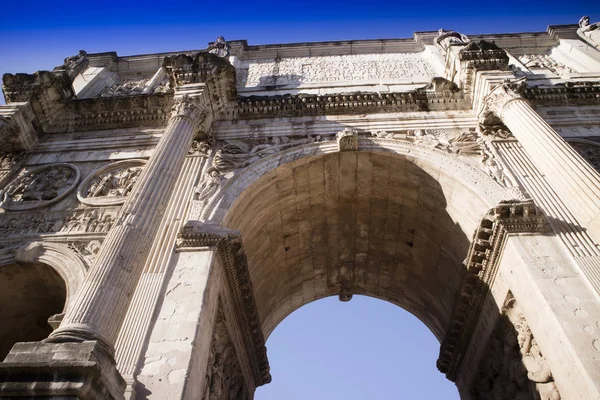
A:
(40, 187)
(110, 185)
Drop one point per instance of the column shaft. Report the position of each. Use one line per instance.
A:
(102, 301)
(571, 177)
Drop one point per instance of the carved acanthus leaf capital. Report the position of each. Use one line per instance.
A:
(190, 108)
(500, 96)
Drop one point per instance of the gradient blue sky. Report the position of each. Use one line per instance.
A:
(365, 349)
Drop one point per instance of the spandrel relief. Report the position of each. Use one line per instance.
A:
(110, 185)
(40, 187)
(513, 366)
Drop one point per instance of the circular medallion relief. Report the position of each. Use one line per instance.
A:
(40, 187)
(110, 185)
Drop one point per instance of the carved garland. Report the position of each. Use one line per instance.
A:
(512, 216)
(196, 234)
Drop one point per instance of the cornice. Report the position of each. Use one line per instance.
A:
(508, 217)
(196, 235)
(570, 93)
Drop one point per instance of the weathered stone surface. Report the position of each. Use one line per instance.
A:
(189, 202)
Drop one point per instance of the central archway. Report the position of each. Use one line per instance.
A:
(381, 223)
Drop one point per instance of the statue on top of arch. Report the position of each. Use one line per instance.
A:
(589, 32)
(445, 39)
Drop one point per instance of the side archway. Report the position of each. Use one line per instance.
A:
(37, 281)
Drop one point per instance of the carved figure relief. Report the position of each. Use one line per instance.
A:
(40, 187)
(589, 32)
(87, 250)
(514, 367)
(590, 151)
(74, 64)
(347, 139)
(351, 68)
(219, 48)
(545, 61)
(445, 39)
(466, 143)
(208, 187)
(125, 87)
(236, 154)
(77, 221)
(7, 162)
(110, 185)
(224, 379)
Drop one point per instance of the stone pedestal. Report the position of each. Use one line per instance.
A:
(77, 371)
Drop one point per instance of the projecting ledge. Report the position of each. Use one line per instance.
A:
(78, 371)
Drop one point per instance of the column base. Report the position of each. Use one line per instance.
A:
(74, 371)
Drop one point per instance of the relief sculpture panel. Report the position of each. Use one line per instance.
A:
(110, 185)
(40, 187)
(513, 366)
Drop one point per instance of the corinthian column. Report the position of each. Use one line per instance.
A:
(570, 176)
(102, 302)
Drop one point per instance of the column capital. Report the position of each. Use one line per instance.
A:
(500, 96)
(192, 108)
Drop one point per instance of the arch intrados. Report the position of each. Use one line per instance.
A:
(437, 166)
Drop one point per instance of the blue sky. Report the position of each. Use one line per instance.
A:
(365, 349)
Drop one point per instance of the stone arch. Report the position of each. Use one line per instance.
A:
(31, 294)
(69, 265)
(276, 185)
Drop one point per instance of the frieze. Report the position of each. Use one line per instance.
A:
(87, 249)
(111, 184)
(350, 68)
(465, 143)
(78, 221)
(40, 187)
(196, 235)
(509, 217)
(133, 86)
(513, 366)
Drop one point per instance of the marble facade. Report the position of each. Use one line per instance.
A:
(160, 214)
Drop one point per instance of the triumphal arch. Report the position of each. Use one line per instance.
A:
(160, 214)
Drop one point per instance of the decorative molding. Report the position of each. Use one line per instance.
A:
(508, 217)
(196, 235)
(295, 105)
(40, 187)
(571, 93)
(110, 185)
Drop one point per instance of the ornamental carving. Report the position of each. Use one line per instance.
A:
(219, 48)
(224, 379)
(347, 139)
(87, 249)
(40, 187)
(495, 101)
(589, 32)
(466, 143)
(110, 185)
(134, 86)
(7, 162)
(590, 151)
(89, 220)
(513, 366)
(445, 39)
(294, 71)
(190, 108)
(545, 61)
(235, 154)
(200, 148)
(508, 217)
